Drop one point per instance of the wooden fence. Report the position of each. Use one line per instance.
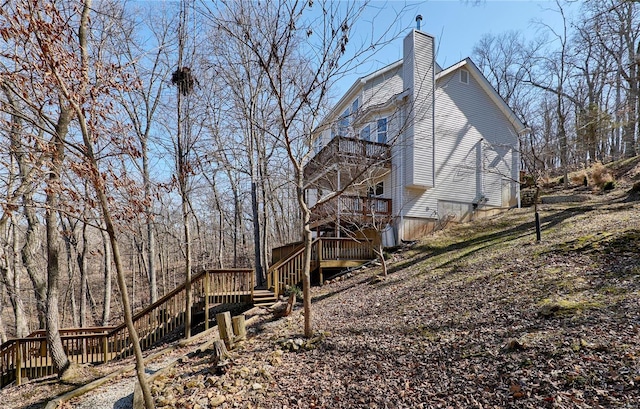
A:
(31, 357)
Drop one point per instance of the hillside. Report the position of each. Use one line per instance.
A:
(477, 316)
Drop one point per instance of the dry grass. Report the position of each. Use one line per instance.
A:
(601, 175)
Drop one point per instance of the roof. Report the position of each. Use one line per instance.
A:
(467, 63)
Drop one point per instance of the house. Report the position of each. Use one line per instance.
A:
(413, 146)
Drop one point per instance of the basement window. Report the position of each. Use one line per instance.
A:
(464, 76)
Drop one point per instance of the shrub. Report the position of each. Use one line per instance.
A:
(601, 175)
(610, 185)
(293, 289)
(579, 178)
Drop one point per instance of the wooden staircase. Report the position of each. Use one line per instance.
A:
(30, 357)
(264, 298)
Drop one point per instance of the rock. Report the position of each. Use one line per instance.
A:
(549, 310)
(513, 345)
(217, 401)
(193, 383)
(376, 280)
(256, 386)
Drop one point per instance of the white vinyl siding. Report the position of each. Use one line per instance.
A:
(379, 90)
(475, 154)
(419, 74)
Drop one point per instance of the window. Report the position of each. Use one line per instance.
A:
(343, 123)
(377, 190)
(355, 106)
(382, 130)
(365, 133)
(464, 76)
(317, 144)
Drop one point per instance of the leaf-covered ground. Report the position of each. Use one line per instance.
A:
(480, 316)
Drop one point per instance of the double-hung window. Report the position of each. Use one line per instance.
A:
(343, 123)
(365, 133)
(382, 130)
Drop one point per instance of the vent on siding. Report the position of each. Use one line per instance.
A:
(464, 76)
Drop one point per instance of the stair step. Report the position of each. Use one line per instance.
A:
(264, 298)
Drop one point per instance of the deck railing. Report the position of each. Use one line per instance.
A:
(288, 272)
(353, 208)
(342, 149)
(31, 356)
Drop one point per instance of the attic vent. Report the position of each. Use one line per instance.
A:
(464, 76)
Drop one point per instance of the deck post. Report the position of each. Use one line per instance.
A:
(105, 347)
(252, 284)
(206, 300)
(319, 258)
(18, 363)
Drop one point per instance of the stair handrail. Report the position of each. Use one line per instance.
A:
(115, 336)
(274, 281)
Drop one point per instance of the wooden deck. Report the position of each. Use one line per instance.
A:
(30, 357)
(326, 252)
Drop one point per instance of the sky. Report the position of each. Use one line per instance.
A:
(457, 25)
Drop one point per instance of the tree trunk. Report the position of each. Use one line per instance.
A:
(187, 268)
(383, 261)
(31, 241)
(306, 264)
(106, 301)
(151, 238)
(29, 249)
(84, 282)
(60, 359)
(257, 235)
(15, 292)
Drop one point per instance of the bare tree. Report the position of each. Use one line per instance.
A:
(300, 57)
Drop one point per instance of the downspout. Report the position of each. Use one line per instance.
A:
(523, 131)
(433, 118)
(402, 153)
